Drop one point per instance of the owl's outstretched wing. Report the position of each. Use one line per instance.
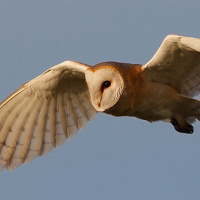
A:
(43, 113)
(177, 63)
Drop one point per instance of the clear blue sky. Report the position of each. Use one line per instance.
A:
(112, 158)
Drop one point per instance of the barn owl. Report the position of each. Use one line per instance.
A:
(45, 111)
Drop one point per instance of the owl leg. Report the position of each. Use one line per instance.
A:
(181, 125)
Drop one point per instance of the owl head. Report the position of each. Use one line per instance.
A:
(106, 85)
(109, 83)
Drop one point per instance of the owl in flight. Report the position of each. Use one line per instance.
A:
(45, 111)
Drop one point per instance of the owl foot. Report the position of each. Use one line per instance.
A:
(183, 128)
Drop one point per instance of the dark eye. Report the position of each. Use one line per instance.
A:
(106, 84)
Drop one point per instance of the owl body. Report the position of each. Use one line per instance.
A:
(133, 92)
(156, 102)
(142, 98)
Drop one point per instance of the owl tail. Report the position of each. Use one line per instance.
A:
(187, 111)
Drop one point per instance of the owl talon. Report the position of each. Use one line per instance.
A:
(185, 128)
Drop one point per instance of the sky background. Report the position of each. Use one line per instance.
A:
(111, 158)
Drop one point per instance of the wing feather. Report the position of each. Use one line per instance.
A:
(51, 139)
(80, 104)
(9, 120)
(8, 115)
(43, 129)
(43, 113)
(80, 112)
(60, 134)
(91, 112)
(71, 128)
(72, 110)
(32, 150)
(19, 141)
(62, 114)
(20, 126)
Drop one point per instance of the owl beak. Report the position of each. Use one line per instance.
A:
(98, 105)
(98, 102)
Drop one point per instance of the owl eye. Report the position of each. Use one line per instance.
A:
(106, 84)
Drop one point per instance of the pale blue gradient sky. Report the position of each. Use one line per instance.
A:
(112, 158)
